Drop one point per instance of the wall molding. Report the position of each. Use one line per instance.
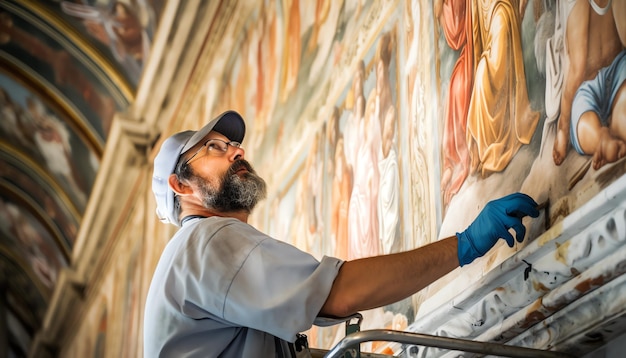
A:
(564, 291)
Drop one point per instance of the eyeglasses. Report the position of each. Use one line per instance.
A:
(214, 147)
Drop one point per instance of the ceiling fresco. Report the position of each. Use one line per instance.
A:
(66, 68)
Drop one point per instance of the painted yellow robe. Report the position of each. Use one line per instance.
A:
(500, 119)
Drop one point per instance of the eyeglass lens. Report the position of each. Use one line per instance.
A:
(219, 147)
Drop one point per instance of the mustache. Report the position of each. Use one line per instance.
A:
(238, 164)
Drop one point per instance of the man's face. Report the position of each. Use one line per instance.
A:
(239, 188)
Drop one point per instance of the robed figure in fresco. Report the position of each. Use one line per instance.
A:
(455, 22)
(500, 119)
(488, 115)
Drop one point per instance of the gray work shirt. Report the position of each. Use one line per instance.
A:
(223, 288)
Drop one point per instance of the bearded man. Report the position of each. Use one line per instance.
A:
(224, 289)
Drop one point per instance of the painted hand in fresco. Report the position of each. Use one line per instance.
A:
(493, 223)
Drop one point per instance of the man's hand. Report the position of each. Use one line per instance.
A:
(493, 223)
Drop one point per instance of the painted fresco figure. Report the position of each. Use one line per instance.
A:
(14, 123)
(387, 202)
(364, 208)
(299, 226)
(63, 66)
(268, 67)
(323, 40)
(293, 48)
(599, 114)
(45, 259)
(454, 17)
(384, 98)
(341, 187)
(555, 60)
(593, 103)
(362, 214)
(354, 139)
(313, 196)
(352, 136)
(53, 140)
(118, 25)
(306, 228)
(389, 189)
(355, 102)
(500, 119)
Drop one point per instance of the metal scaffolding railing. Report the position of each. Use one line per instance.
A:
(456, 344)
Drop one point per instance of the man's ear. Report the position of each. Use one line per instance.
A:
(177, 186)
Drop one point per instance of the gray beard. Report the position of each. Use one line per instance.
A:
(235, 192)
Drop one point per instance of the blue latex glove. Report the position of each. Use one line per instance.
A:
(493, 223)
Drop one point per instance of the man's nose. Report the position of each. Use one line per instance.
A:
(237, 153)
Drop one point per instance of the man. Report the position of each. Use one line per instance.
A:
(222, 288)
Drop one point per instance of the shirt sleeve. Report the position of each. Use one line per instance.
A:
(249, 279)
(279, 289)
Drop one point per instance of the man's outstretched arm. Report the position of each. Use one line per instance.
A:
(381, 280)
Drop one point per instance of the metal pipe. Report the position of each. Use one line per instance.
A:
(439, 342)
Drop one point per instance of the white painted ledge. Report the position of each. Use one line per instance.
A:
(564, 291)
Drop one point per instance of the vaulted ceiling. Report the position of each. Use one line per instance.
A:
(66, 68)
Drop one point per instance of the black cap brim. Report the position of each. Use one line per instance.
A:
(229, 123)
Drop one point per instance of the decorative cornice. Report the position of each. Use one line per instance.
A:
(565, 286)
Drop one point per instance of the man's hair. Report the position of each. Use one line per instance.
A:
(183, 171)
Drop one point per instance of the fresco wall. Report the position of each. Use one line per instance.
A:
(66, 68)
(383, 126)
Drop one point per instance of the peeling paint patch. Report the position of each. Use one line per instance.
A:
(561, 210)
(534, 314)
(555, 231)
(538, 286)
(590, 284)
(561, 252)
